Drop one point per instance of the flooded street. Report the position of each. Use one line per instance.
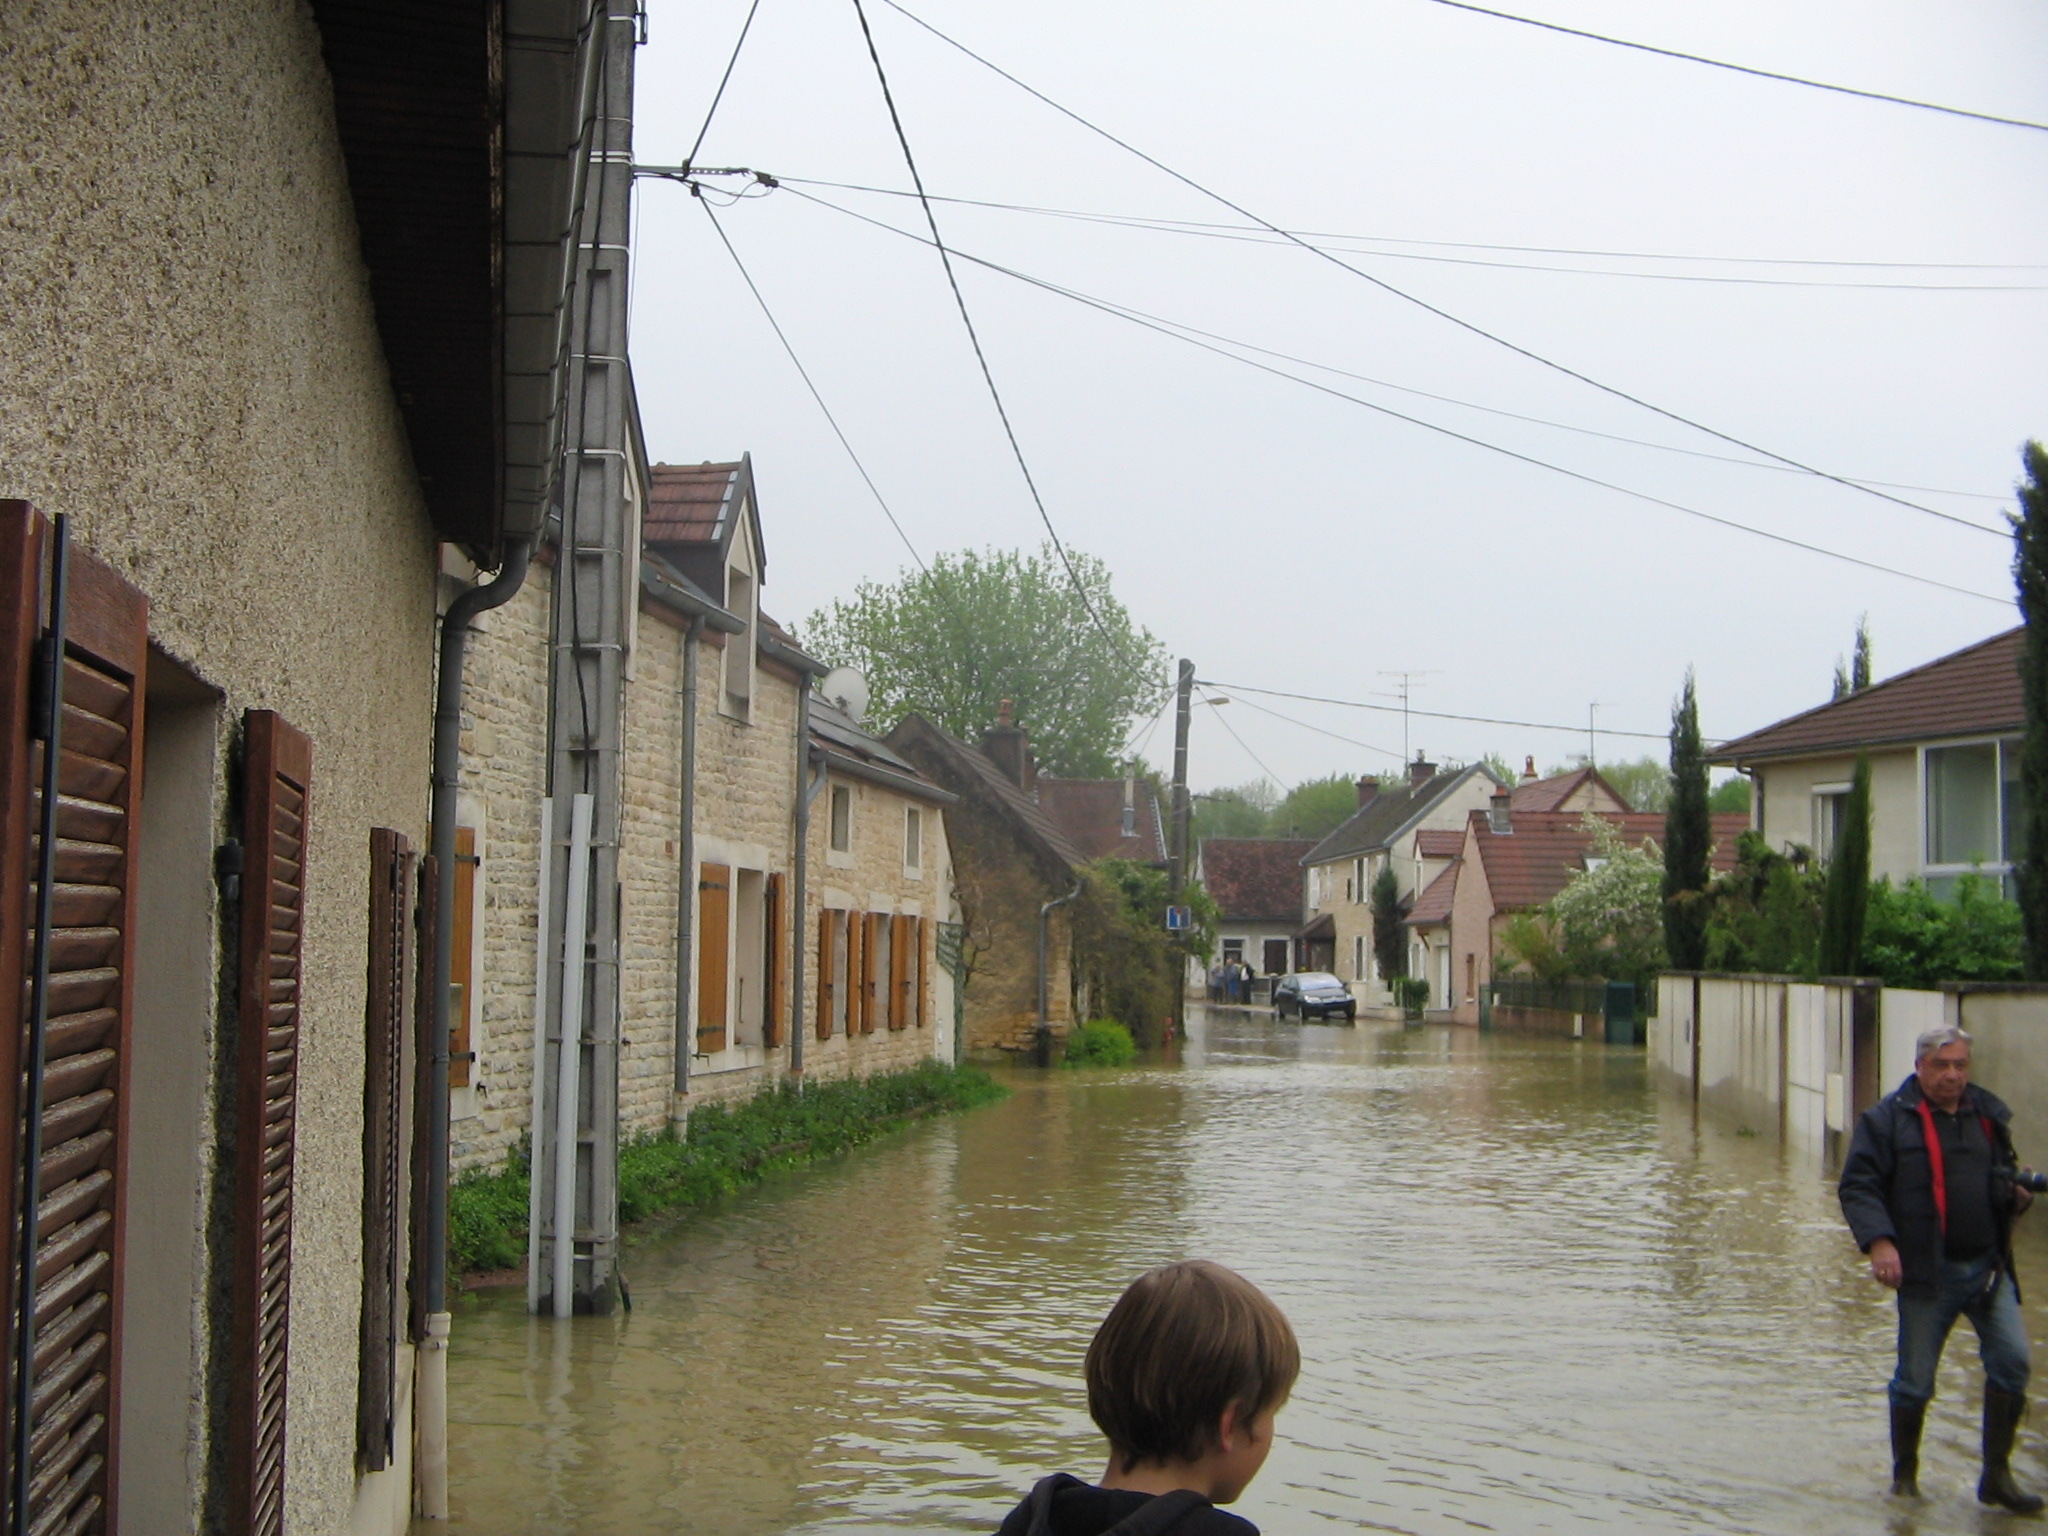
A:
(1530, 1298)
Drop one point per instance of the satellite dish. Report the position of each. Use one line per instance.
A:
(847, 688)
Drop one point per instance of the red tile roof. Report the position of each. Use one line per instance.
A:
(1433, 906)
(1531, 864)
(1091, 813)
(688, 503)
(1255, 879)
(1439, 842)
(1548, 794)
(1969, 692)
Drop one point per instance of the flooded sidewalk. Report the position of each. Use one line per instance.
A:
(1531, 1297)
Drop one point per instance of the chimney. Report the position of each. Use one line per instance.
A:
(1498, 821)
(1009, 748)
(1130, 828)
(1420, 772)
(1529, 769)
(1368, 789)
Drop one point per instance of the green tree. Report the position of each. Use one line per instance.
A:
(1609, 918)
(1240, 810)
(1128, 963)
(1848, 890)
(1764, 914)
(978, 627)
(2030, 576)
(1688, 838)
(1854, 676)
(1644, 783)
(1730, 796)
(1315, 808)
(1389, 944)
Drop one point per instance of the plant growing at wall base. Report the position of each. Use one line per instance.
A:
(1412, 994)
(2030, 577)
(1100, 1043)
(1389, 945)
(1688, 838)
(1848, 888)
(1125, 962)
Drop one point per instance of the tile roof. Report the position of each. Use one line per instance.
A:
(1255, 879)
(1548, 794)
(1091, 813)
(1377, 822)
(1972, 691)
(1439, 842)
(969, 773)
(690, 503)
(1433, 907)
(855, 749)
(1531, 864)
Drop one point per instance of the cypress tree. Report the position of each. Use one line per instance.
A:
(2030, 576)
(1848, 893)
(1387, 945)
(1688, 839)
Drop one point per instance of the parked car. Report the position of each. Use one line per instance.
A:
(1312, 994)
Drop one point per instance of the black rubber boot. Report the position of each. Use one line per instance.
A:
(2002, 1414)
(1906, 1422)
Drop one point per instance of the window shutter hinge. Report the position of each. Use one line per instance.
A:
(227, 869)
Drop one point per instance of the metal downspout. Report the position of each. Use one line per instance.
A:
(686, 865)
(807, 788)
(431, 1404)
(1044, 1037)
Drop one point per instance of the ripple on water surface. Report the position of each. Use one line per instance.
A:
(1530, 1296)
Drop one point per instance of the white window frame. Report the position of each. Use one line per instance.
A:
(1823, 817)
(1999, 869)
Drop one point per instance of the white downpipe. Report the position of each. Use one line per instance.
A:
(430, 1418)
(540, 1049)
(574, 918)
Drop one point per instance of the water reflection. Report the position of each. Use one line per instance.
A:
(1532, 1296)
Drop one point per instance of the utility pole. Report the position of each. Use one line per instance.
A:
(1177, 858)
(596, 580)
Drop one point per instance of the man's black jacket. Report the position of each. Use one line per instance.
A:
(1887, 1186)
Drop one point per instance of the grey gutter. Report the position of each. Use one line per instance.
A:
(686, 860)
(790, 656)
(689, 600)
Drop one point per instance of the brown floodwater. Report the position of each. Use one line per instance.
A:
(1532, 1296)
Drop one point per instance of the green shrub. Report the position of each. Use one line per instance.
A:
(1100, 1043)
(1412, 993)
(1913, 938)
(723, 1148)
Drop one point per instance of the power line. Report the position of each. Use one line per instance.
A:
(1385, 286)
(810, 384)
(1253, 235)
(1420, 714)
(1165, 328)
(1744, 69)
(974, 338)
(723, 80)
(1223, 721)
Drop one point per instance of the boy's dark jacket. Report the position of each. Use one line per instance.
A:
(1887, 1186)
(1065, 1506)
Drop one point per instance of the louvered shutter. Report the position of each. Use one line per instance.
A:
(778, 964)
(387, 1029)
(92, 982)
(276, 778)
(714, 913)
(827, 980)
(902, 969)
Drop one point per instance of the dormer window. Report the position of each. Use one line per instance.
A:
(740, 648)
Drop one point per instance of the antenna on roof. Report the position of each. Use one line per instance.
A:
(847, 690)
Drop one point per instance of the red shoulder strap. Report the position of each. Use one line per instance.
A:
(1934, 1157)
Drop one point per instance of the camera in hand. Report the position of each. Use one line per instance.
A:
(2026, 1178)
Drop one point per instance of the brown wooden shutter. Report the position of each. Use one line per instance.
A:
(921, 1004)
(462, 999)
(856, 972)
(276, 778)
(902, 969)
(392, 865)
(827, 981)
(714, 922)
(92, 984)
(778, 964)
(872, 1002)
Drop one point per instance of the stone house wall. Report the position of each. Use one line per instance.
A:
(1001, 890)
(194, 375)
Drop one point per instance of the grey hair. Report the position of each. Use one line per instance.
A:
(1932, 1040)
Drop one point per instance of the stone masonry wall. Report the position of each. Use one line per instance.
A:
(1001, 892)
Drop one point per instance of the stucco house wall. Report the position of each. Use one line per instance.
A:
(1783, 807)
(194, 375)
(1473, 930)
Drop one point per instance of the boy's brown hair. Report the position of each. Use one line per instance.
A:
(1183, 1343)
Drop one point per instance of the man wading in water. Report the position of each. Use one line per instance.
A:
(1930, 1189)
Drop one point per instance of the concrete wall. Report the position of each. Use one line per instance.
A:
(194, 374)
(1784, 810)
(2009, 1053)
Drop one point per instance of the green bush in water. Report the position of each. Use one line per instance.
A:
(1100, 1043)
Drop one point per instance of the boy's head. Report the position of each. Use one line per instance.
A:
(1184, 1343)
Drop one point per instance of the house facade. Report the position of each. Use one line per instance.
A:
(1256, 883)
(1943, 742)
(1391, 828)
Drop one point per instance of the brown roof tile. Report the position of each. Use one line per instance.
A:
(1255, 879)
(1433, 907)
(1548, 794)
(1968, 692)
(968, 772)
(1091, 813)
(689, 503)
(1528, 866)
(1439, 842)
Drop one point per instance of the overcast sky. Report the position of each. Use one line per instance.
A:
(1288, 540)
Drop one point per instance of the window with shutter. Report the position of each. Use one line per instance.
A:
(902, 969)
(388, 1025)
(88, 1001)
(714, 923)
(276, 778)
(777, 964)
(828, 980)
(874, 971)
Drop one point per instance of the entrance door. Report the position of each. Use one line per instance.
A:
(1275, 957)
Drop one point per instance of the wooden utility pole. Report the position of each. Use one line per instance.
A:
(1177, 858)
